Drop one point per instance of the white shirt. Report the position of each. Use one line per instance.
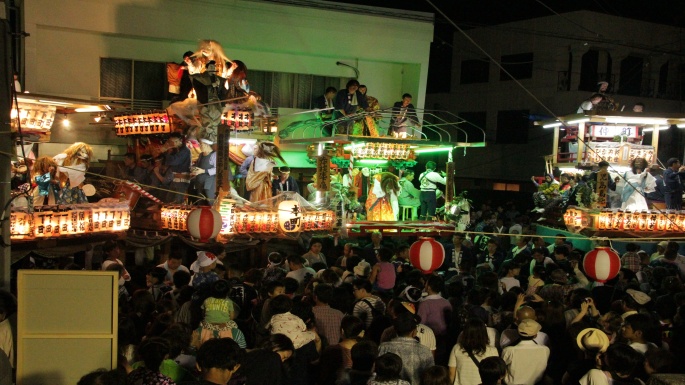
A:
(467, 371)
(169, 274)
(428, 180)
(301, 273)
(526, 362)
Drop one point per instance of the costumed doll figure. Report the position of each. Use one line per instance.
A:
(204, 173)
(381, 203)
(208, 50)
(260, 174)
(208, 86)
(635, 184)
(73, 164)
(45, 182)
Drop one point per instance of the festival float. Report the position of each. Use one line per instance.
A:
(221, 110)
(581, 142)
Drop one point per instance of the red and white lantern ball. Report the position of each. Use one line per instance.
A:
(602, 264)
(204, 223)
(427, 255)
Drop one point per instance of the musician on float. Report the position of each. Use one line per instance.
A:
(403, 118)
(178, 161)
(673, 183)
(409, 195)
(429, 181)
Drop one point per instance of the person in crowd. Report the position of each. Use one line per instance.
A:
(424, 334)
(152, 351)
(284, 322)
(660, 250)
(511, 335)
(636, 329)
(383, 274)
(111, 251)
(218, 318)
(284, 182)
(510, 270)
(673, 176)
(473, 346)
(404, 120)
(592, 342)
(415, 357)
(619, 364)
(429, 181)
(388, 369)
(218, 360)
(492, 371)
(491, 258)
(203, 174)
(173, 264)
(457, 252)
(327, 319)
(409, 195)
(178, 161)
(156, 284)
(267, 364)
(314, 255)
(298, 270)
(526, 361)
(347, 103)
(435, 311)
(367, 305)
(206, 262)
(363, 356)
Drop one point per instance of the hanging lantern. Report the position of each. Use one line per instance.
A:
(289, 216)
(204, 223)
(602, 264)
(427, 255)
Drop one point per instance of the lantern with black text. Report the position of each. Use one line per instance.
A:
(290, 216)
(427, 255)
(204, 223)
(602, 264)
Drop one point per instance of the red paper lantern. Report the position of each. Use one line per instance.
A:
(602, 264)
(427, 255)
(204, 223)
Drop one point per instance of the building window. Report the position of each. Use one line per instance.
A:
(506, 187)
(630, 80)
(475, 71)
(520, 66)
(474, 121)
(594, 66)
(663, 81)
(143, 83)
(512, 127)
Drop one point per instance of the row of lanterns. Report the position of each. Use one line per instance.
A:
(146, 124)
(238, 119)
(617, 220)
(62, 221)
(288, 218)
(382, 151)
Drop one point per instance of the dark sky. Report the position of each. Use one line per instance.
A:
(474, 13)
(488, 12)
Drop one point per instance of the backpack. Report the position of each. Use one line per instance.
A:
(380, 322)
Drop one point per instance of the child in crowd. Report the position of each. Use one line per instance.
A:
(284, 322)
(388, 370)
(492, 371)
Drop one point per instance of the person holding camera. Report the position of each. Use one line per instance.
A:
(429, 180)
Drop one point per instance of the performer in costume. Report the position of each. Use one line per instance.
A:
(634, 184)
(673, 184)
(381, 203)
(46, 184)
(370, 123)
(73, 164)
(260, 174)
(204, 172)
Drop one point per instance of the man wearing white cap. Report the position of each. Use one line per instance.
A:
(526, 361)
(206, 262)
(204, 172)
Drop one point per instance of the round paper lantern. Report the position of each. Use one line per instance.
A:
(427, 255)
(204, 223)
(289, 216)
(602, 264)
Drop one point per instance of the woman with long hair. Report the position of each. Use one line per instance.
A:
(381, 203)
(260, 174)
(471, 348)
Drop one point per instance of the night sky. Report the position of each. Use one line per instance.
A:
(476, 13)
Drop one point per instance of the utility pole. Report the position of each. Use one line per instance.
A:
(6, 146)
